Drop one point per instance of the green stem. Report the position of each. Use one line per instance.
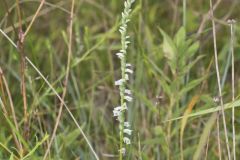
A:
(122, 91)
(184, 13)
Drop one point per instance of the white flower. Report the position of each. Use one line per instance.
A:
(126, 4)
(128, 65)
(118, 108)
(123, 28)
(121, 108)
(126, 140)
(120, 55)
(127, 42)
(127, 91)
(123, 15)
(129, 71)
(121, 31)
(123, 151)
(127, 131)
(116, 113)
(126, 124)
(128, 98)
(119, 82)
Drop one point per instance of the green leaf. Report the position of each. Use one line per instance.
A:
(210, 110)
(38, 144)
(165, 86)
(193, 49)
(204, 136)
(208, 100)
(169, 47)
(148, 103)
(158, 70)
(71, 137)
(191, 85)
(11, 157)
(162, 78)
(186, 68)
(180, 37)
(158, 131)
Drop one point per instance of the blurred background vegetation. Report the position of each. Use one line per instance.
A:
(166, 83)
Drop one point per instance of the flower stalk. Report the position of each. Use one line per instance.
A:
(125, 94)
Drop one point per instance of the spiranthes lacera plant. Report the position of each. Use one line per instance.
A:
(125, 94)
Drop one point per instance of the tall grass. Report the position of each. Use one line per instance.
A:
(219, 86)
(231, 23)
(59, 59)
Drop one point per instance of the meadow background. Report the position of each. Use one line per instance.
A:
(172, 54)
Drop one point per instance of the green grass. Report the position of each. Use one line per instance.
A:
(173, 114)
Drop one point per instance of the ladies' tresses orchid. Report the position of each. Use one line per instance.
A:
(125, 94)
